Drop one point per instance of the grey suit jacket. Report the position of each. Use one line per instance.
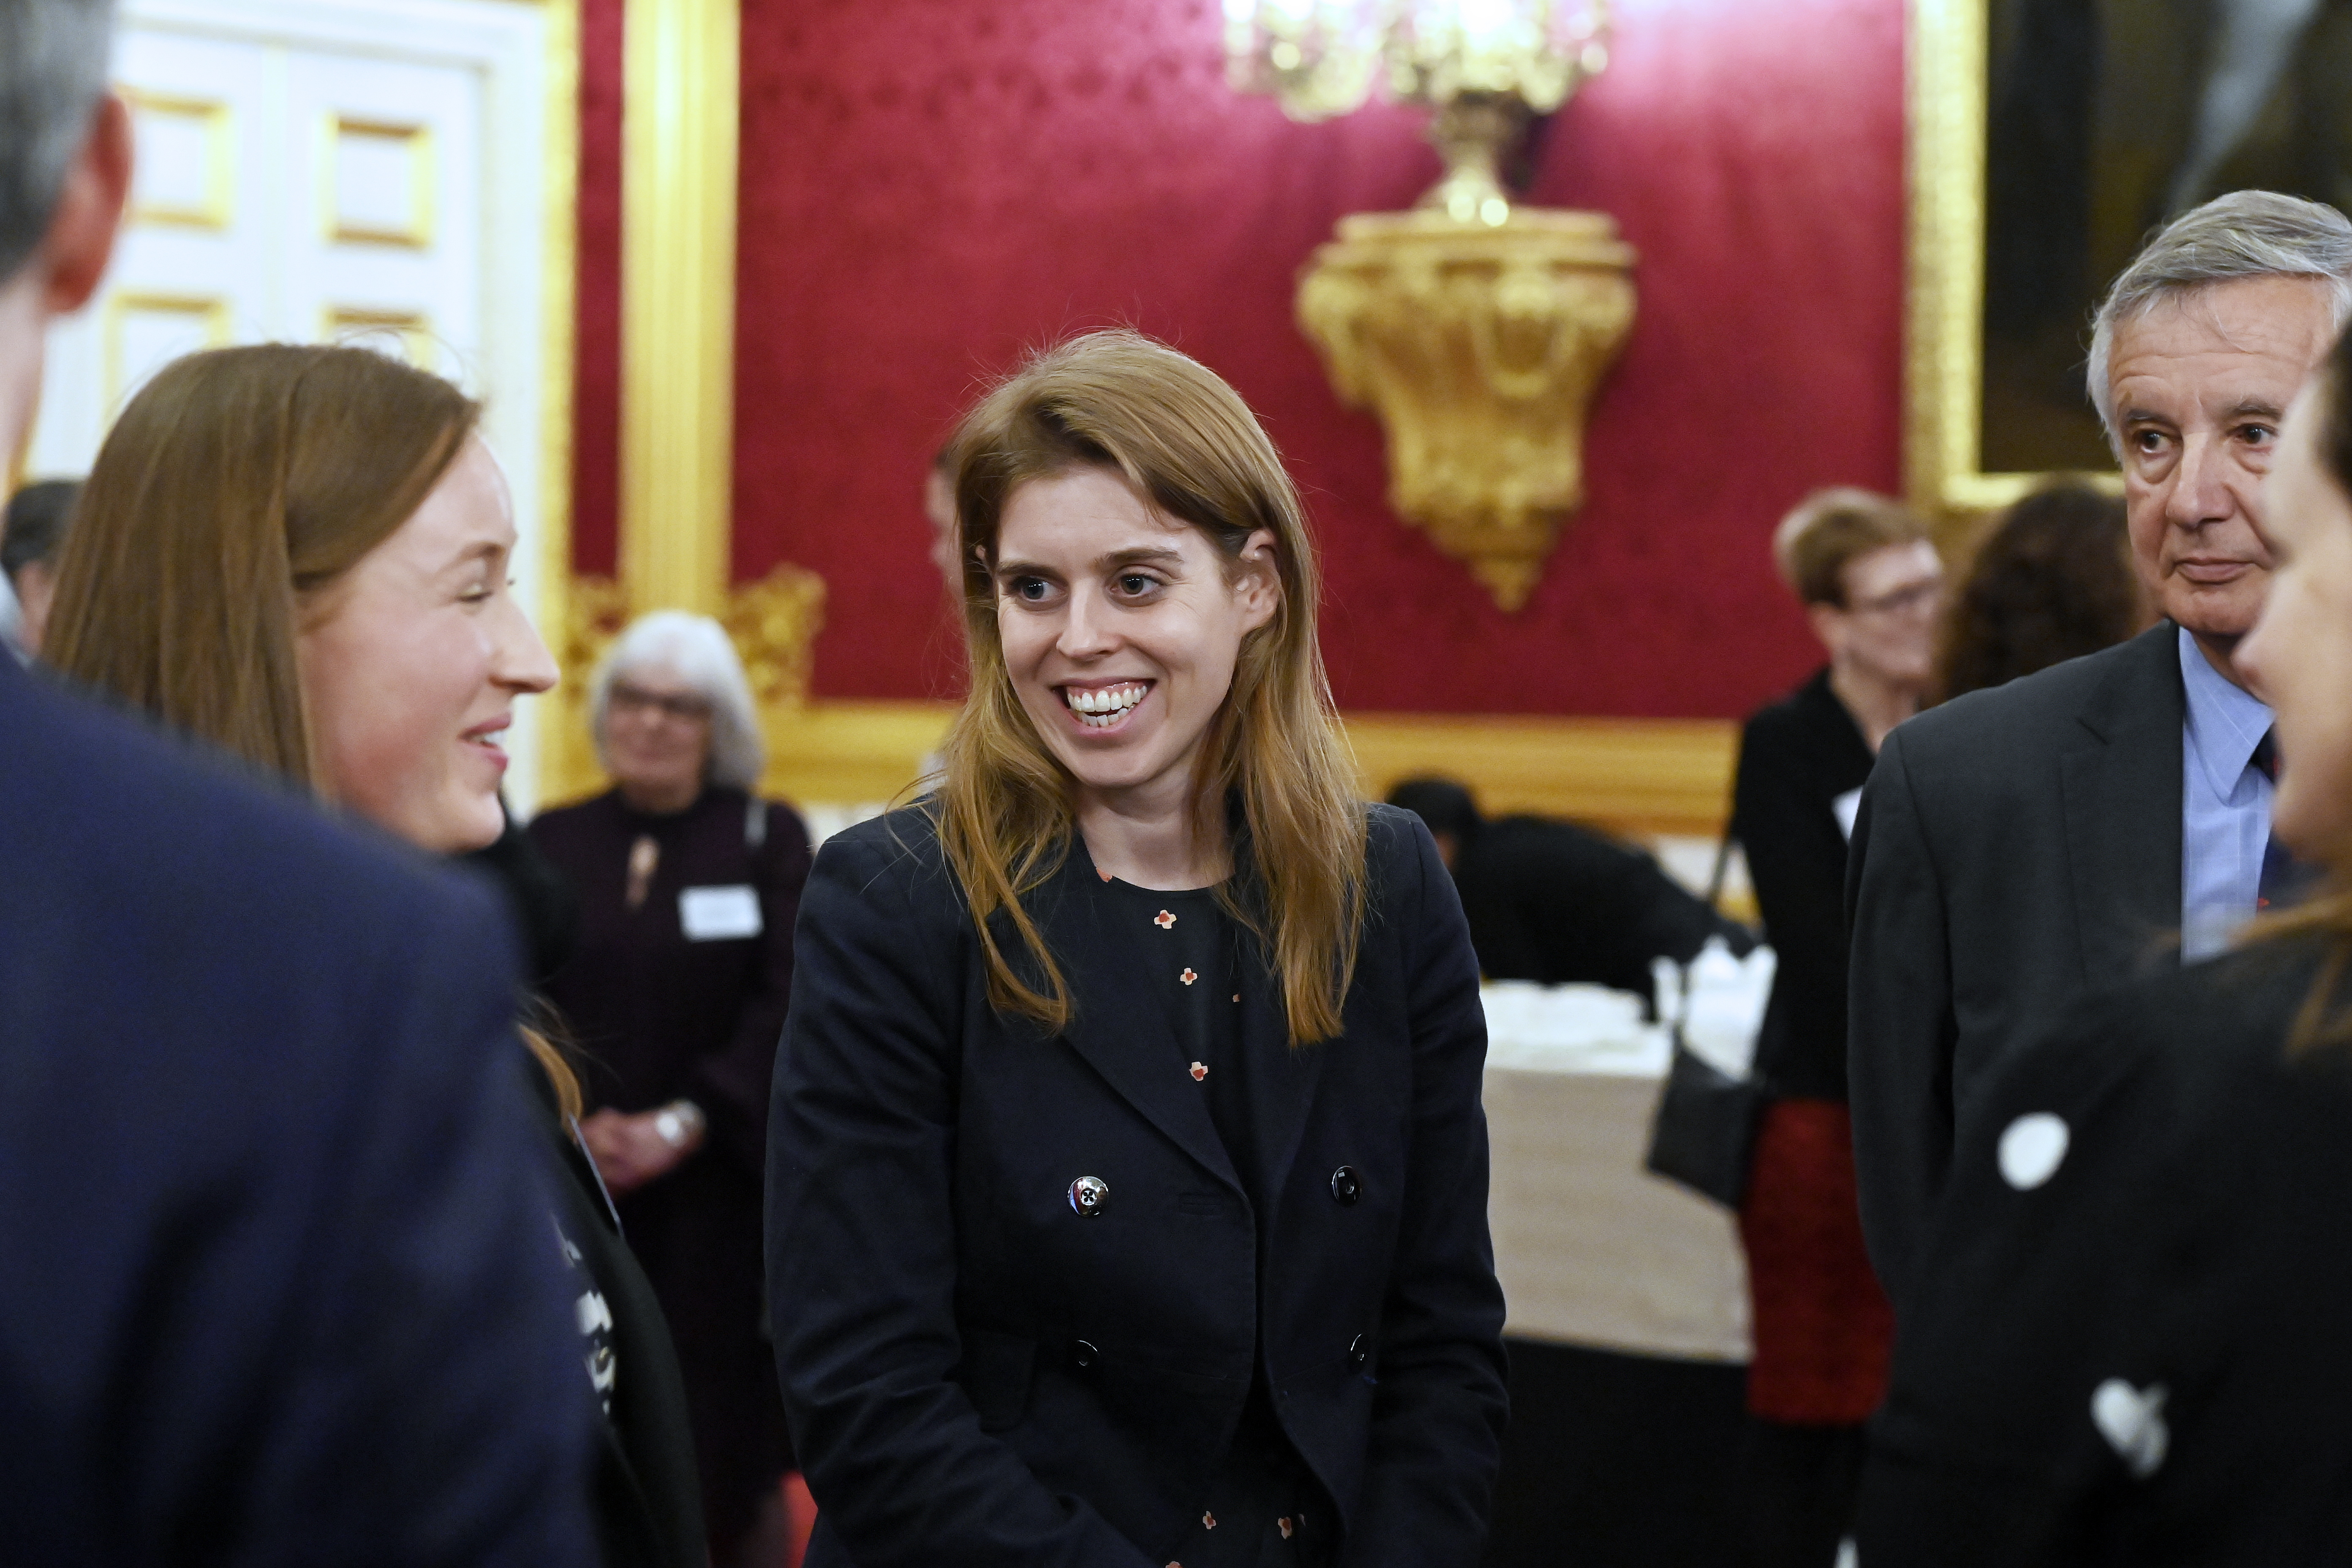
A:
(2015, 847)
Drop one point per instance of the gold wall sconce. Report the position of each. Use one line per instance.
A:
(1476, 329)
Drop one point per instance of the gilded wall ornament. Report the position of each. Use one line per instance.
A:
(1480, 346)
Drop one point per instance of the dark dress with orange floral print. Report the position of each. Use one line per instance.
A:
(669, 1004)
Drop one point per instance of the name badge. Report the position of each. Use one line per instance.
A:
(1848, 806)
(718, 914)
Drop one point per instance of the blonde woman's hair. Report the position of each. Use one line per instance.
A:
(1189, 446)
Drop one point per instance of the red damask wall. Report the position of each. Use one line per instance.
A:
(932, 185)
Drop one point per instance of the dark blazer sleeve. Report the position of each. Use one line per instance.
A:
(1900, 1026)
(432, 1408)
(732, 1085)
(1438, 1416)
(862, 1245)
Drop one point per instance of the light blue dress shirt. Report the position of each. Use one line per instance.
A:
(2225, 806)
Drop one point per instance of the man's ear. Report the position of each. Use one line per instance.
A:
(81, 238)
(1828, 626)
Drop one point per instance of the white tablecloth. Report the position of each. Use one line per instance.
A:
(1592, 1250)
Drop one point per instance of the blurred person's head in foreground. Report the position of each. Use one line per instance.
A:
(300, 555)
(2196, 352)
(65, 170)
(2051, 580)
(2298, 655)
(672, 712)
(35, 525)
(1868, 575)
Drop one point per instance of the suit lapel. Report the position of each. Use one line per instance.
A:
(2123, 809)
(1120, 1027)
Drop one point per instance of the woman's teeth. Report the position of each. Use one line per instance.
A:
(1100, 709)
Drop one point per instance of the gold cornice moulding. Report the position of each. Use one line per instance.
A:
(1480, 346)
(773, 623)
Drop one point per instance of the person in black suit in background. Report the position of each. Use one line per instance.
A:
(1871, 583)
(280, 1287)
(2132, 1349)
(1559, 904)
(2019, 845)
(1126, 1170)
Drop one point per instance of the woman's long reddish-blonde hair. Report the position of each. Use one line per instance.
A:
(1187, 443)
(235, 486)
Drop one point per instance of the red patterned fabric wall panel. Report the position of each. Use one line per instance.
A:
(932, 185)
(596, 369)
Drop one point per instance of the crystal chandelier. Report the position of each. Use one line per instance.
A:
(1483, 66)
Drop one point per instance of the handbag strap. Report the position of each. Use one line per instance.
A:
(1714, 894)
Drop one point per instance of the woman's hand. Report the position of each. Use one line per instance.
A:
(632, 1149)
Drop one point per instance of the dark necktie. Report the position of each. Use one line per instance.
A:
(2285, 877)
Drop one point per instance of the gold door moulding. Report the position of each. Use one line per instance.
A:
(1480, 345)
(412, 329)
(209, 314)
(421, 179)
(214, 206)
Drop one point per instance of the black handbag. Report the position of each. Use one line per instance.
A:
(1704, 1135)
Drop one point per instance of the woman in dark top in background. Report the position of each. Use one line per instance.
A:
(1127, 1196)
(299, 555)
(1870, 583)
(2051, 580)
(689, 885)
(2129, 1345)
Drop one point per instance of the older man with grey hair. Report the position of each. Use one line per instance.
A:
(282, 1283)
(2017, 847)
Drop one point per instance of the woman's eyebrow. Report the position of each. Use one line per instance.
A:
(1142, 555)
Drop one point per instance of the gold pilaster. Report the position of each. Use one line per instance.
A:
(682, 85)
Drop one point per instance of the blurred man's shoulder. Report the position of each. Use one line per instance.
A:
(101, 811)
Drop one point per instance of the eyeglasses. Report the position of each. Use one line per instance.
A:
(685, 710)
(1899, 601)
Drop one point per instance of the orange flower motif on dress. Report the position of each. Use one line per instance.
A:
(1188, 976)
(1200, 1071)
(1163, 920)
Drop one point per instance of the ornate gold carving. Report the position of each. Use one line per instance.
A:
(774, 622)
(1479, 345)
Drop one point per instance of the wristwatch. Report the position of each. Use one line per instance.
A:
(680, 1123)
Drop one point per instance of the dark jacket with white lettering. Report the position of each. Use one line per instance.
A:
(977, 1374)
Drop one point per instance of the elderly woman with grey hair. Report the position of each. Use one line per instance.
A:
(689, 884)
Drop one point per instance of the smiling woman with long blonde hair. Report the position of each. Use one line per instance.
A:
(1127, 1177)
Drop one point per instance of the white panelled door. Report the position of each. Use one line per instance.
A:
(328, 170)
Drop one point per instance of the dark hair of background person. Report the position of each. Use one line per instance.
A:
(36, 520)
(53, 56)
(1828, 528)
(1442, 805)
(236, 483)
(2052, 581)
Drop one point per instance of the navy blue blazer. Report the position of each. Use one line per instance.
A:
(977, 1374)
(281, 1286)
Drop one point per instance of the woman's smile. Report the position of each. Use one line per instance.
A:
(1103, 707)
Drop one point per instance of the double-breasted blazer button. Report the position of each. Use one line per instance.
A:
(1088, 1194)
(1345, 1185)
(1084, 1356)
(1359, 1351)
